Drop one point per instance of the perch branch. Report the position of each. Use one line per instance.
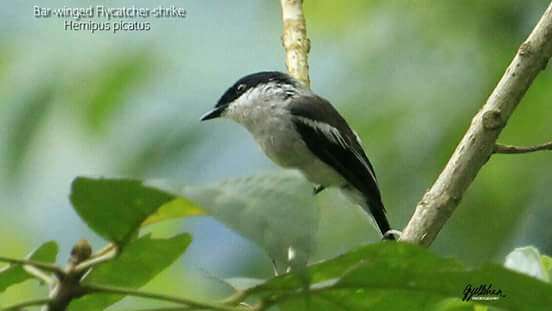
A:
(295, 41)
(477, 145)
(518, 149)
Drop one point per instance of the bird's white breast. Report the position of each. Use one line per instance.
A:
(271, 125)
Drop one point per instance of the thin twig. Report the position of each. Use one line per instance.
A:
(106, 249)
(96, 260)
(235, 298)
(41, 265)
(510, 149)
(28, 303)
(39, 274)
(92, 288)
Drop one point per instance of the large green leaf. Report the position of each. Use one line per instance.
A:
(527, 260)
(276, 210)
(14, 274)
(177, 208)
(115, 208)
(397, 276)
(375, 299)
(140, 261)
(547, 264)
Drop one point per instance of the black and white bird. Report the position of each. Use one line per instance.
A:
(299, 129)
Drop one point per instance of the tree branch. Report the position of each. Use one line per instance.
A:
(67, 286)
(98, 259)
(518, 149)
(40, 275)
(478, 143)
(40, 265)
(295, 41)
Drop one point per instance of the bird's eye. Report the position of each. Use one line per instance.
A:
(241, 88)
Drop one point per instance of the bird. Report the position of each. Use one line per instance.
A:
(297, 129)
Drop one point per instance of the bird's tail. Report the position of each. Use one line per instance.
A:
(374, 208)
(378, 213)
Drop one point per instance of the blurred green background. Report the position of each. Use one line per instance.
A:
(407, 75)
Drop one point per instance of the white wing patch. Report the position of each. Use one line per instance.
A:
(361, 158)
(358, 138)
(333, 135)
(330, 132)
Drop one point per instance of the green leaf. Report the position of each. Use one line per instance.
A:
(14, 274)
(276, 210)
(398, 276)
(177, 208)
(547, 264)
(375, 299)
(240, 283)
(453, 304)
(115, 208)
(140, 261)
(527, 260)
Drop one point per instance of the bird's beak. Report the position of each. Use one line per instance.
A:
(215, 113)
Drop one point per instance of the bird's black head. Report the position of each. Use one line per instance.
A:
(243, 85)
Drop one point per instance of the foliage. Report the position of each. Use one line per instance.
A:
(140, 261)
(253, 206)
(380, 276)
(528, 260)
(396, 276)
(125, 204)
(14, 273)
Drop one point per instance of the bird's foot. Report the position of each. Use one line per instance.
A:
(317, 189)
(392, 235)
(275, 268)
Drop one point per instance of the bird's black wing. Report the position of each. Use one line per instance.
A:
(330, 138)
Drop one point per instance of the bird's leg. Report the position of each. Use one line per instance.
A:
(317, 189)
(392, 235)
(275, 267)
